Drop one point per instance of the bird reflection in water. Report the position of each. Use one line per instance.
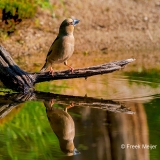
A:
(63, 126)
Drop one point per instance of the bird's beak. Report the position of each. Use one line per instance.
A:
(75, 21)
(75, 152)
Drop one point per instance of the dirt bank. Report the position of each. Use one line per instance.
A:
(105, 26)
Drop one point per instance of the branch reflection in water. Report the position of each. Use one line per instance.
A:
(119, 128)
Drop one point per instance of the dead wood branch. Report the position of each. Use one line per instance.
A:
(16, 79)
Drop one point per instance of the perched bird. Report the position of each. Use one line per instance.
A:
(63, 126)
(63, 46)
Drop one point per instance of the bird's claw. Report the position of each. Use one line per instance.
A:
(72, 70)
(70, 106)
(51, 103)
(51, 72)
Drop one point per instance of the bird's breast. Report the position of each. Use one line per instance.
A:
(62, 49)
(68, 50)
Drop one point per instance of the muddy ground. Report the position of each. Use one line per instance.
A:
(119, 28)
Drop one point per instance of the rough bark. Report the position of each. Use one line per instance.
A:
(16, 79)
(11, 75)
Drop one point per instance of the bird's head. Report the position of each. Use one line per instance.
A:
(67, 26)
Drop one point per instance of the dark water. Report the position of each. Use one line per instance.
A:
(113, 117)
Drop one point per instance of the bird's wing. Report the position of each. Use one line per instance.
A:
(49, 52)
(52, 45)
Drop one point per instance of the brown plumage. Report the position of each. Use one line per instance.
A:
(63, 46)
(63, 126)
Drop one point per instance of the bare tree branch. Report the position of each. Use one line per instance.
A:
(83, 72)
(16, 79)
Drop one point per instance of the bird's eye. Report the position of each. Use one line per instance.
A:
(70, 23)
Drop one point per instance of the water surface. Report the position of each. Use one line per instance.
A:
(114, 116)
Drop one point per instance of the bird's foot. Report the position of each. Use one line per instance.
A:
(51, 71)
(70, 106)
(71, 69)
(51, 103)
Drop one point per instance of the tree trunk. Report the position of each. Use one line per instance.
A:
(16, 79)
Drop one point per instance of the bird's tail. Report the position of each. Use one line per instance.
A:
(44, 67)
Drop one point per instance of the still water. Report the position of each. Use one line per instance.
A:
(114, 116)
